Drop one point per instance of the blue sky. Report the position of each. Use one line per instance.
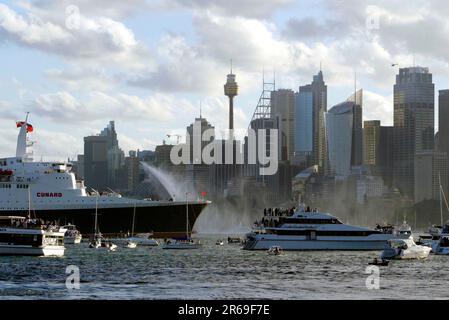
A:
(148, 64)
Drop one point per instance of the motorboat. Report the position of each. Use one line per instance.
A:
(381, 262)
(236, 240)
(275, 250)
(404, 249)
(72, 235)
(131, 245)
(143, 239)
(23, 236)
(184, 244)
(101, 243)
(219, 242)
(306, 229)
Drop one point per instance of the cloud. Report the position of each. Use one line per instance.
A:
(247, 8)
(64, 107)
(101, 39)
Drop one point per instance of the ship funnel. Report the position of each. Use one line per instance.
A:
(22, 142)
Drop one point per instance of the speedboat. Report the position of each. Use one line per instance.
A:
(131, 245)
(22, 236)
(72, 235)
(275, 250)
(219, 242)
(382, 262)
(144, 239)
(405, 249)
(232, 240)
(181, 244)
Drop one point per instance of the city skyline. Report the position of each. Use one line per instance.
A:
(150, 82)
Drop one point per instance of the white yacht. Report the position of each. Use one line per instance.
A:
(72, 235)
(307, 230)
(441, 246)
(404, 249)
(22, 236)
(143, 239)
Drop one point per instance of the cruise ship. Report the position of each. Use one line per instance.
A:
(312, 230)
(50, 191)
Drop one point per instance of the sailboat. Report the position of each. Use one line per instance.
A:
(98, 242)
(142, 239)
(441, 246)
(183, 244)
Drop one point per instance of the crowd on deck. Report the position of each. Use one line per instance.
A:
(271, 216)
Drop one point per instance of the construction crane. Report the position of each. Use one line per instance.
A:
(178, 136)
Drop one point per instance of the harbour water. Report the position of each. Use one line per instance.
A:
(218, 272)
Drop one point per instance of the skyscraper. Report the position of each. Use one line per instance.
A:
(371, 142)
(357, 137)
(303, 124)
(282, 106)
(96, 162)
(413, 123)
(344, 135)
(443, 121)
(319, 92)
(339, 125)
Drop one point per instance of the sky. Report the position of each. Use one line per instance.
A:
(149, 65)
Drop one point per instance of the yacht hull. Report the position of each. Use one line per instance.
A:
(163, 220)
(260, 242)
(55, 251)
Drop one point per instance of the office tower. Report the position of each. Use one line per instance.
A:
(443, 121)
(371, 142)
(319, 96)
(385, 157)
(303, 124)
(132, 165)
(162, 155)
(357, 137)
(282, 106)
(196, 149)
(413, 123)
(96, 162)
(231, 89)
(344, 135)
(339, 128)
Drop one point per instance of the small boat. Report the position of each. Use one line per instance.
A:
(72, 235)
(404, 249)
(219, 243)
(442, 247)
(181, 244)
(184, 243)
(234, 240)
(275, 250)
(98, 241)
(131, 245)
(144, 239)
(25, 237)
(381, 262)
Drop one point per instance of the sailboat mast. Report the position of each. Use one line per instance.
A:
(187, 218)
(134, 220)
(96, 214)
(441, 200)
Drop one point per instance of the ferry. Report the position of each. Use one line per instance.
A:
(305, 229)
(23, 236)
(56, 195)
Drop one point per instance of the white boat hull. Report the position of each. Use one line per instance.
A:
(72, 240)
(56, 251)
(179, 246)
(264, 242)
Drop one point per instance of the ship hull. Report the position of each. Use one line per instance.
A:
(163, 220)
